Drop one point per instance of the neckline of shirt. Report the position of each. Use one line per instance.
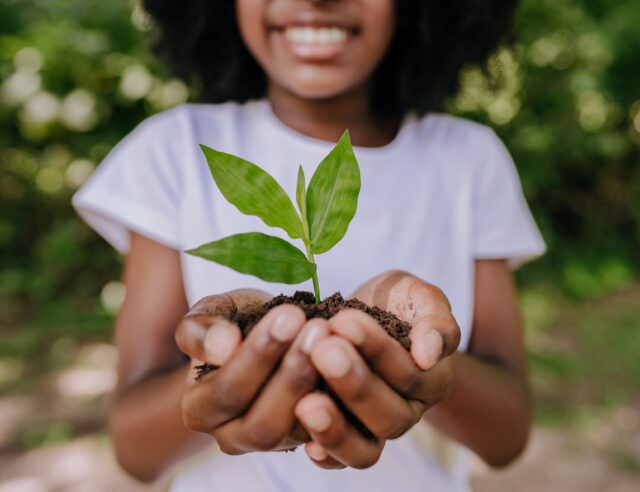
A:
(263, 107)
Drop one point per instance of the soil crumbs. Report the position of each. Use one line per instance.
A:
(328, 308)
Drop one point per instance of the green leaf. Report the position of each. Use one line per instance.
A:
(332, 197)
(301, 193)
(301, 198)
(267, 257)
(253, 191)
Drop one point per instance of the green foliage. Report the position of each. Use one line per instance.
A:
(332, 196)
(267, 257)
(301, 197)
(253, 191)
(74, 79)
(570, 114)
(326, 210)
(584, 355)
(45, 434)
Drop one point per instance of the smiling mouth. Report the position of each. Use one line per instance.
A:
(316, 35)
(316, 43)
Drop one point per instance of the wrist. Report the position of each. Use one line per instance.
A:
(142, 410)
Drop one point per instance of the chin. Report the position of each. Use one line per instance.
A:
(310, 84)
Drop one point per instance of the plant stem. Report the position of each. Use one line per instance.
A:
(316, 286)
(307, 245)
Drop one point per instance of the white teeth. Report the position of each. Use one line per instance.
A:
(312, 35)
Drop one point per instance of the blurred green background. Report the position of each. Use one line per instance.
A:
(76, 76)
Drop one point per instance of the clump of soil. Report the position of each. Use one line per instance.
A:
(328, 308)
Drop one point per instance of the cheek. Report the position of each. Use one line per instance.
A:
(379, 25)
(250, 18)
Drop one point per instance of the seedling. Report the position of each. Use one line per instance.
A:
(325, 210)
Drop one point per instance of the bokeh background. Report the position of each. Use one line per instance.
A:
(76, 76)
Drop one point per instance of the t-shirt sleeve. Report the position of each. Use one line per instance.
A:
(137, 187)
(503, 227)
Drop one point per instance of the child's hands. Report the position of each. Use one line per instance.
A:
(244, 404)
(389, 392)
(386, 387)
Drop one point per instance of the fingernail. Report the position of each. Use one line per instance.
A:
(317, 420)
(194, 329)
(354, 333)
(434, 340)
(430, 348)
(334, 362)
(284, 327)
(316, 451)
(220, 341)
(312, 332)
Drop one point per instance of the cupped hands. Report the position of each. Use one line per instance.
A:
(263, 395)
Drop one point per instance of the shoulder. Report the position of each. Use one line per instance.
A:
(188, 125)
(465, 144)
(168, 142)
(461, 132)
(466, 152)
(189, 116)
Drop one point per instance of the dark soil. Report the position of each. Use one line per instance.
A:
(328, 308)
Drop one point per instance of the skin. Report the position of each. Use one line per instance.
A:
(483, 395)
(224, 403)
(322, 99)
(161, 414)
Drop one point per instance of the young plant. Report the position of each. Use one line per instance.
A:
(325, 210)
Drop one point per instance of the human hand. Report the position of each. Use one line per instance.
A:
(387, 388)
(235, 403)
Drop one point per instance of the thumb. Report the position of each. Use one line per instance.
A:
(433, 338)
(211, 339)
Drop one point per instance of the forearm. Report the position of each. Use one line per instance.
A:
(487, 411)
(146, 425)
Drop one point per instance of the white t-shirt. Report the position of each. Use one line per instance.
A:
(442, 194)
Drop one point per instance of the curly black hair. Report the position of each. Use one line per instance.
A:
(433, 41)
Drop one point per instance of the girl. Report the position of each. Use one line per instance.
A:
(440, 199)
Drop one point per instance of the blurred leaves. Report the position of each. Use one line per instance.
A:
(583, 356)
(75, 77)
(569, 111)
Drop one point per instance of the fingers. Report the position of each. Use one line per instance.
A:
(421, 304)
(227, 392)
(329, 429)
(230, 302)
(433, 338)
(205, 332)
(389, 360)
(210, 339)
(384, 355)
(320, 456)
(270, 419)
(215, 305)
(434, 331)
(385, 413)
